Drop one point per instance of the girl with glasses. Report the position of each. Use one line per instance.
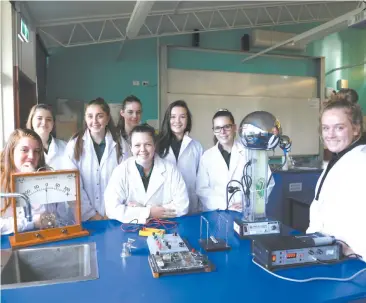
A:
(221, 163)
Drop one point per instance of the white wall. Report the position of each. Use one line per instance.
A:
(7, 120)
(291, 99)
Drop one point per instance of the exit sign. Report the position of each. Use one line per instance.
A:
(24, 31)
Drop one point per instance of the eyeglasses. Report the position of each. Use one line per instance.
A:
(217, 129)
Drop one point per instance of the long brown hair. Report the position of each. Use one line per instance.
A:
(166, 135)
(79, 145)
(7, 165)
(121, 122)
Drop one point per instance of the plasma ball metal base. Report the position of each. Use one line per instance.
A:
(264, 226)
(210, 246)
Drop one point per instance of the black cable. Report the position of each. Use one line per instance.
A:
(247, 180)
(232, 195)
(235, 190)
(354, 256)
(276, 170)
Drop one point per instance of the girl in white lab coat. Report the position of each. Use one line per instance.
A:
(24, 153)
(42, 120)
(339, 206)
(145, 186)
(221, 163)
(130, 116)
(176, 146)
(95, 152)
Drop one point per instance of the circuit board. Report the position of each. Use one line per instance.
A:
(169, 243)
(170, 254)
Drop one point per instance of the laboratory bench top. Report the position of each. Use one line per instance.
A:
(300, 169)
(235, 279)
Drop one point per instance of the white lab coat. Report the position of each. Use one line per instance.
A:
(188, 161)
(94, 176)
(166, 188)
(214, 175)
(341, 208)
(7, 220)
(61, 210)
(54, 157)
(126, 148)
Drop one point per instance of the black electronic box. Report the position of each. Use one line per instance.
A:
(274, 251)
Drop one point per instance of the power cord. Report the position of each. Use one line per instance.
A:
(311, 279)
(156, 223)
(244, 185)
(276, 170)
(232, 190)
(131, 227)
(247, 181)
(153, 222)
(354, 256)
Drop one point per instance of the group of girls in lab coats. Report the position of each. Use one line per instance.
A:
(130, 174)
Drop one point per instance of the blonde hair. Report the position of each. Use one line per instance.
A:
(7, 165)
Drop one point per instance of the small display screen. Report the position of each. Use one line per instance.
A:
(273, 258)
(291, 255)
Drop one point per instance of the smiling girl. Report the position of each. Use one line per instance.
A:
(145, 186)
(130, 116)
(338, 208)
(95, 151)
(42, 121)
(176, 146)
(221, 163)
(24, 153)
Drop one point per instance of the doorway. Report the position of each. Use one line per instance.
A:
(25, 97)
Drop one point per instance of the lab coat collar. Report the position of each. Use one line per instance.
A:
(52, 148)
(237, 153)
(185, 142)
(157, 177)
(110, 146)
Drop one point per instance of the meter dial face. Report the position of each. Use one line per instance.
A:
(45, 189)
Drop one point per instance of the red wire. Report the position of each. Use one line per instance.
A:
(154, 222)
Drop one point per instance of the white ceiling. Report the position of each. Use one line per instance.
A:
(76, 23)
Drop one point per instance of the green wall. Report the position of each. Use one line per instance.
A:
(342, 49)
(84, 73)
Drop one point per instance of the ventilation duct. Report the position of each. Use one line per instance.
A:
(264, 38)
(358, 20)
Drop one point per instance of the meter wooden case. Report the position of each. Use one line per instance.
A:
(55, 207)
